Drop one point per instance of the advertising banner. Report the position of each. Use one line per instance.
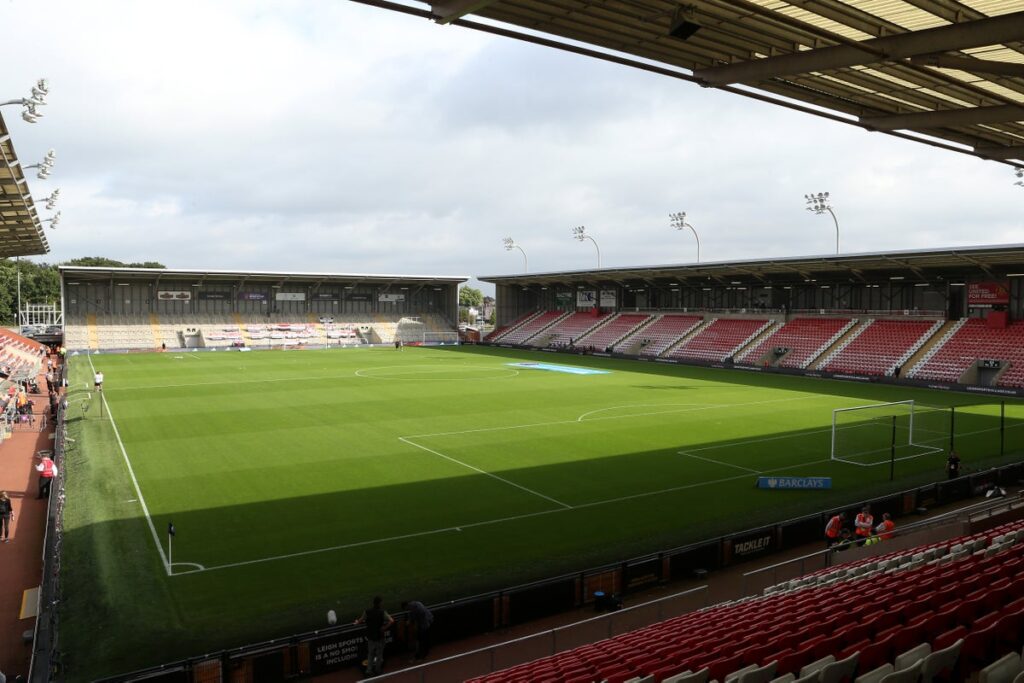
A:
(391, 298)
(174, 295)
(608, 298)
(252, 296)
(358, 297)
(325, 296)
(987, 294)
(290, 296)
(790, 483)
(586, 298)
(214, 296)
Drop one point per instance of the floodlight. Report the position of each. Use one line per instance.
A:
(678, 221)
(819, 204)
(510, 244)
(580, 233)
(51, 201)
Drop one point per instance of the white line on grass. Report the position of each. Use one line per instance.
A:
(135, 482)
(487, 522)
(477, 469)
(718, 462)
(612, 417)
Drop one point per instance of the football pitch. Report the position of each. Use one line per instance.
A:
(299, 482)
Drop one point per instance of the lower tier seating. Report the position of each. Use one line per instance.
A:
(615, 330)
(880, 346)
(973, 341)
(805, 339)
(720, 339)
(939, 612)
(661, 334)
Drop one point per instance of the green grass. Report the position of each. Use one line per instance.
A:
(305, 481)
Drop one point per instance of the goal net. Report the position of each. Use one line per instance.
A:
(878, 433)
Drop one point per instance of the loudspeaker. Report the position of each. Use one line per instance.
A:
(683, 29)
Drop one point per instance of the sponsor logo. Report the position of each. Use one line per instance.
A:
(754, 545)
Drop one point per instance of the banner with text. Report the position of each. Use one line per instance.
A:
(608, 298)
(290, 296)
(391, 298)
(586, 298)
(252, 296)
(214, 296)
(987, 294)
(174, 295)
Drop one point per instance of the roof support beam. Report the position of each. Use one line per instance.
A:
(983, 66)
(1003, 113)
(1013, 152)
(992, 31)
(447, 11)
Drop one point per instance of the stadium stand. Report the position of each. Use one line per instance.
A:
(720, 339)
(804, 338)
(498, 332)
(534, 326)
(615, 330)
(878, 346)
(569, 330)
(939, 612)
(19, 356)
(653, 339)
(969, 341)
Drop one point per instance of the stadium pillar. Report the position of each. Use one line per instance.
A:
(952, 426)
(892, 451)
(1002, 427)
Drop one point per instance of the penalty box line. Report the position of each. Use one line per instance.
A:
(473, 525)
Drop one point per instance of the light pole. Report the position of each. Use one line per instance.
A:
(678, 221)
(38, 99)
(819, 204)
(580, 233)
(45, 166)
(510, 244)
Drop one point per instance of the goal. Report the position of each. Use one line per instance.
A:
(879, 433)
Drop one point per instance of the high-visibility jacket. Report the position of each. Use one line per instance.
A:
(863, 524)
(884, 530)
(49, 469)
(834, 526)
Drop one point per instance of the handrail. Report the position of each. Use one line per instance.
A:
(419, 672)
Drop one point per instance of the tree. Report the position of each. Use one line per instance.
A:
(470, 297)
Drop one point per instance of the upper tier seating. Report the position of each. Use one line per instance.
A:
(806, 339)
(974, 340)
(616, 329)
(661, 334)
(572, 328)
(720, 339)
(867, 613)
(520, 334)
(880, 346)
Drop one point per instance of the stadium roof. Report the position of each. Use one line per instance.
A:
(253, 276)
(949, 73)
(994, 262)
(21, 233)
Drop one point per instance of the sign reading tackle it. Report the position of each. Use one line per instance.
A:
(791, 483)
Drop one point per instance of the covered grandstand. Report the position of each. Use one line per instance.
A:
(140, 308)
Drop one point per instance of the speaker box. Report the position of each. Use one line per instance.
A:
(683, 29)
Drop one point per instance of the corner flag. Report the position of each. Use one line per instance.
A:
(170, 528)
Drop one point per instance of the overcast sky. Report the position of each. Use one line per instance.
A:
(323, 135)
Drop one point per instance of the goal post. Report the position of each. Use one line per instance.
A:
(881, 433)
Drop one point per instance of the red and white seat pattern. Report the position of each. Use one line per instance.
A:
(573, 327)
(531, 327)
(661, 334)
(806, 339)
(499, 331)
(973, 340)
(720, 339)
(615, 330)
(880, 345)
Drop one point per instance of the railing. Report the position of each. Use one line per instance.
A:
(902, 312)
(908, 536)
(552, 641)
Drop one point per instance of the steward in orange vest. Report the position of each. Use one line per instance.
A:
(833, 529)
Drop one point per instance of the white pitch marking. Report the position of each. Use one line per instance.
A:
(490, 522)
(641, 405)
(199, 567)
(135, 482)
(719, 462)
(610, 417)
(440, 369)
(489, 474)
